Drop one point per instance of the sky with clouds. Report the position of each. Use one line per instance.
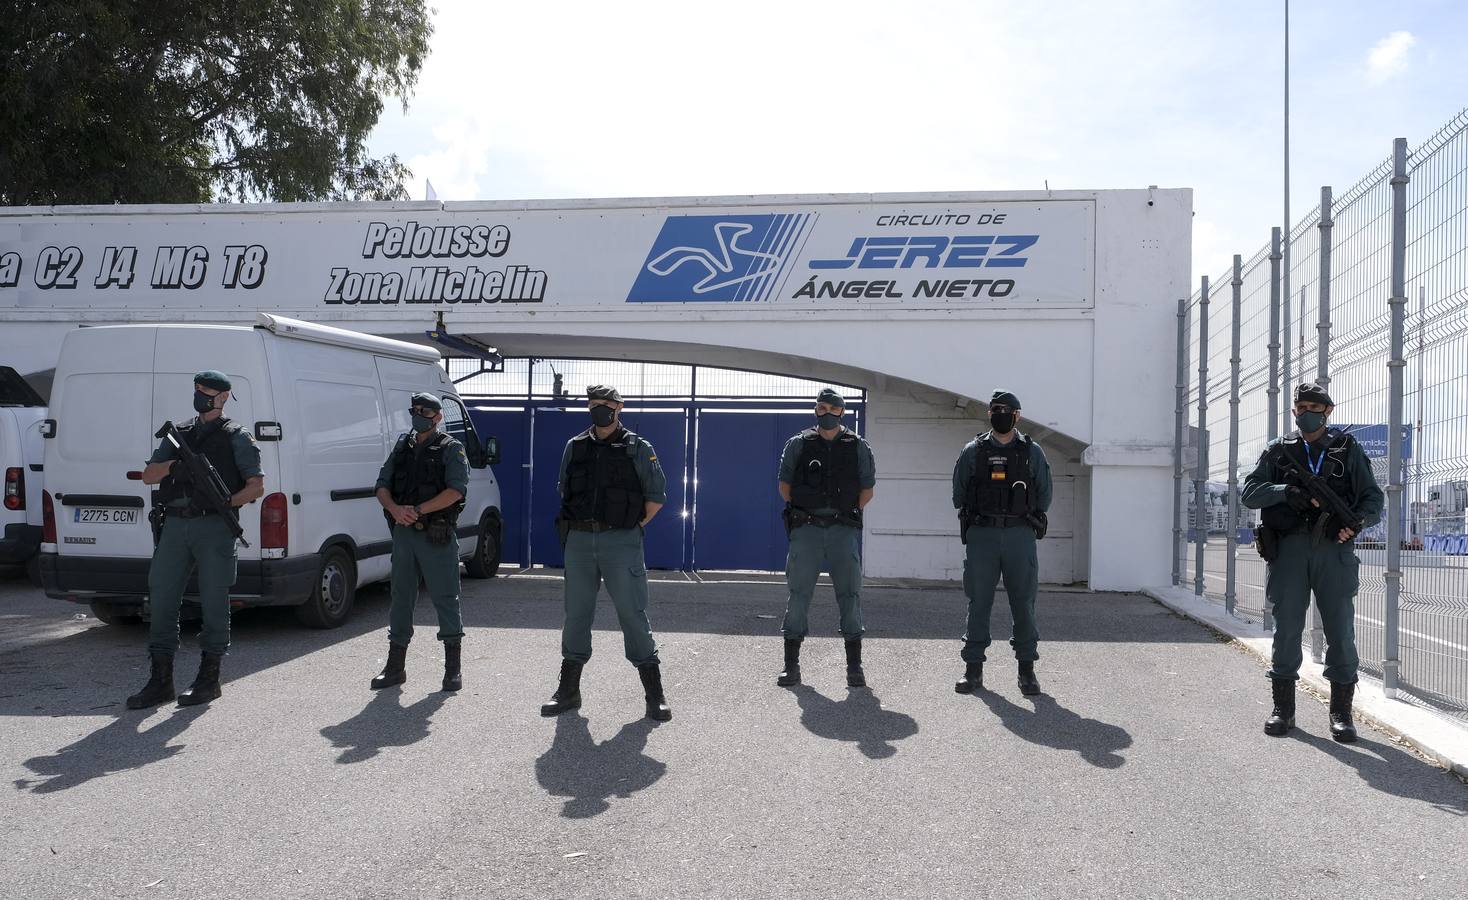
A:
(578, 99)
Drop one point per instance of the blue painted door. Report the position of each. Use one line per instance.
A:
(553, 427)
(737, 515)
(512, 473)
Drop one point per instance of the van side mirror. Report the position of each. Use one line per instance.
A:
(491, 451)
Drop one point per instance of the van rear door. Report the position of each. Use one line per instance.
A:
(103, 431)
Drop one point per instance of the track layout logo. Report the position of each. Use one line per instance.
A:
(719, 258)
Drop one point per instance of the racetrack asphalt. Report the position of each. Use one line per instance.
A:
(1141, 772)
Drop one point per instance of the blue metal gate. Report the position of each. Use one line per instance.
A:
(723, 509)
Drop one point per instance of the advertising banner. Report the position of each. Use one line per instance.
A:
(1031, 254)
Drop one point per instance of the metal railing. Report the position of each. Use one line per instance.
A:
(1377, 310)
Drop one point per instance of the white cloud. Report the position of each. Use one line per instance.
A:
(1389, 57)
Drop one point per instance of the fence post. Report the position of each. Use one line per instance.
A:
(1322, 327)
(1287, 377)
(1200, 473)
(1274, 258)
(1390, 658)
(1179, 429)
(1322, 375)
(1229, 587)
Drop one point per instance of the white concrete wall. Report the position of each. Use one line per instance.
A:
(912, 528)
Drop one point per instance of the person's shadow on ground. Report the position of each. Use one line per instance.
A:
(383, 722)
(1052, 725)
(587, 774)
(859, 719)
(119, 746)
(1394, 771)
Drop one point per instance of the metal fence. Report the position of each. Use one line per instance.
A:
(1372, 301)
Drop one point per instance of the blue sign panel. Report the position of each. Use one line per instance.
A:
(1374, 439)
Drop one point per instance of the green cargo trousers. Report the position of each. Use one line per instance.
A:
(991, 554)
(204, 543)
(835, 549)
(415, 558)
(613, 557)
(1332, 571)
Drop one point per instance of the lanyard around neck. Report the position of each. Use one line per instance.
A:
(1315, 462)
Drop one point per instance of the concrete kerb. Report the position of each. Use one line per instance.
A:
(1438, 740)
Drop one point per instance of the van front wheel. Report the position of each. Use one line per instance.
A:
(331, 598)
(485, 563)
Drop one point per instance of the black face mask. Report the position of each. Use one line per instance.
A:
(1002, 423)
(602, 416)
(828, 420)
(202, 402)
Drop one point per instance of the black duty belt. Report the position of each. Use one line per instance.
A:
(1000, 521)
(591, 525)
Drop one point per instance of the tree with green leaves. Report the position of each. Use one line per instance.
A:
(193, 101)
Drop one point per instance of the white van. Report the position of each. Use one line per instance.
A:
(325, 405)
(22, 411)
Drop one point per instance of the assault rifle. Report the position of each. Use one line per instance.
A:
(1330, 502)
(205, 481)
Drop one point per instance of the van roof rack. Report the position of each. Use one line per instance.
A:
(341, 337)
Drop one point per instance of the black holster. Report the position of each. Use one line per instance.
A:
(155, 520)
(965, 521)
(440, 527)
(1266, 542)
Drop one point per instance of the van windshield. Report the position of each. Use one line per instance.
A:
(14, 391)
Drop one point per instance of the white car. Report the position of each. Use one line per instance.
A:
(325, 406)
(21, 412)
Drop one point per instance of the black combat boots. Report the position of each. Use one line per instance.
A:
(1341, 726)
(791, 676)
(855, 677)
(1282, 719)
(972, 680)
(395, 672)
(1029, 685)
(206, 683)
(568, 693)
(652, 685)
(452, 679)
(159, 688)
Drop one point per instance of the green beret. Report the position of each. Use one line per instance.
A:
(830, 398)
(425, 399)
(1005, 398)
(603, 392)
(213, 378)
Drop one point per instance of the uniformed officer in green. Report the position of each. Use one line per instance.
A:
(1001, 487)
(422, 487)
(195, 537)
(827, 476)
(611, 486)
(1315, 552)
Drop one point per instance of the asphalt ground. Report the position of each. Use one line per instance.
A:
(1142, 772)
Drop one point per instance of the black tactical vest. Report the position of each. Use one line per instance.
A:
(1002, 481)
(826, 473)
(214, 444)
(601, 481)
(1280, 516)
(419, 476)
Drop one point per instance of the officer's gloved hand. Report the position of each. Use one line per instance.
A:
(1298, 498)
